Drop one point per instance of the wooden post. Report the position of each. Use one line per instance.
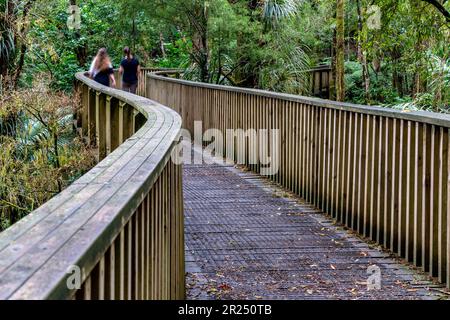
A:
(100, 112)
(114, 120)
(85, 110)
(108, 125)
(125, 122)
(135, 124)
(92, 117)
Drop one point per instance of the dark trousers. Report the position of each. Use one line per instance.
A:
(128, 87)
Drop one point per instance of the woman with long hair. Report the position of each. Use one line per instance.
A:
(101, 69)
(129, 69)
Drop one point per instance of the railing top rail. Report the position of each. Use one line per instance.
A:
(155, 69)
(433, 118)
(322, 67)
(77, 226)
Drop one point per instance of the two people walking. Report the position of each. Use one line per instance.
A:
(102, 70)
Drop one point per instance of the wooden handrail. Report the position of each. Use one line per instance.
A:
(381, 172)
(121, 223)
(142, 85)
(440, 119)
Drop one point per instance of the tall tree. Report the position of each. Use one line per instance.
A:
(362, 57)
(340, 48)
(198, 20)
(23, 47)
(81, 47)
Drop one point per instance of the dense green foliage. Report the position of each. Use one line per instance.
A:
(40, 153)
(267, 44)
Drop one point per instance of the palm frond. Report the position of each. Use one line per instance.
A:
(276, 10)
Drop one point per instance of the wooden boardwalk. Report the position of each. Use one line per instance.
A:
(248, 239)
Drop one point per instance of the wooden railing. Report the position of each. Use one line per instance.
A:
(321, 81)
(378, 171)
(142, 85)
(118, 230)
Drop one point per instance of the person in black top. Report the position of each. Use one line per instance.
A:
(101, 69)
(129, 69)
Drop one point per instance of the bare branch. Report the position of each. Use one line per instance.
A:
(440, 7)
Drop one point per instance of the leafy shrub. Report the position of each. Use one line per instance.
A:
(42, 155)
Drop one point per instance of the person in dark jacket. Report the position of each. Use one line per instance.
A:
(130, 70)
(101, 69)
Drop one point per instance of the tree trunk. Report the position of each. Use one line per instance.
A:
(134, 34)
(199, 28)
(161, 45)
(80, 50)
(333, 67)
(397, 81)
(362, 58)
(248, 77)
(23, 47)
(419, 83)
(340, 48)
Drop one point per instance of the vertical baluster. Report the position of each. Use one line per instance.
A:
(108, 126)
(101, 279)
(410, 198)
(137, 253)
(87, 289)
(110, 272)
(164, 235)
(100, 122)
(129, 262)
(380, 185)
(308, 153)
(326, 139)
(340, 118)
(447, 268)
(85, 110)
(173, 231)
(388, 194)
(142, 247)
(343, 165)
(312, 155)
(285, 115)
(330, 163)
(368, 156)
(157, 254)
(442, 206)
(361, 171)
(148, 245)
(318, 150)
(418, 195)
(434, 201)
(92, 116)
(114, 128)
(95, 282)
(153, 242)
(350, 168)
(355, 174)
(374, 134)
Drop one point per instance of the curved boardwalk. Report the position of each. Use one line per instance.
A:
(248, 239)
